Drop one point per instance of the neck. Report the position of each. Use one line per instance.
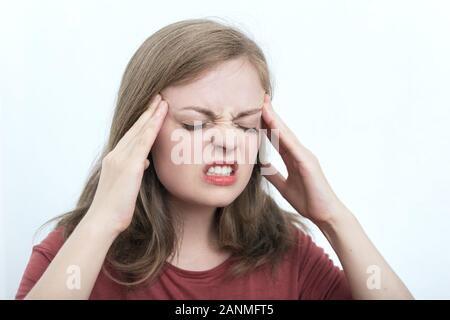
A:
(197, 231)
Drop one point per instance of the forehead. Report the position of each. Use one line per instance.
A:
(233, 86)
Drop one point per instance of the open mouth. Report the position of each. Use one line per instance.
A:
(221, 168)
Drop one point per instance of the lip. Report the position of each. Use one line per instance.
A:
(221, 180)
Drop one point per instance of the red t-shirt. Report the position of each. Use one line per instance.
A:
(306, 272)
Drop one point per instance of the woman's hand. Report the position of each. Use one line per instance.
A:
(123, 168)
(305, 187)
(308, 191)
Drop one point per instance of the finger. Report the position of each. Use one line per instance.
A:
(274, 176)
(280, 135)
(139, 124)
(141, 145)
(276, 127)
(152, 116)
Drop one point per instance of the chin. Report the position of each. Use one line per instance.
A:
(216, 200)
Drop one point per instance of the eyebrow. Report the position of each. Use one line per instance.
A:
(213, 116)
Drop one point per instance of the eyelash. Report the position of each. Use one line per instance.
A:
(192, 127)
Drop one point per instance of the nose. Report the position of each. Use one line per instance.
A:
(224, 137)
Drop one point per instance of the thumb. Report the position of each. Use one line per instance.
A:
(276, 178)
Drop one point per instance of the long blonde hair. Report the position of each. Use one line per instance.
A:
(254, 228)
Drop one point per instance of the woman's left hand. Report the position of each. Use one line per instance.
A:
(305, 187)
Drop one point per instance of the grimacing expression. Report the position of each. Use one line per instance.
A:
(208, 120)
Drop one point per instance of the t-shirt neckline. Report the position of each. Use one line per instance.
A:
(202, 273)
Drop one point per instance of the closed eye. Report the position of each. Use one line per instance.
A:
(202, 125)
(193, 127)
(247, 128)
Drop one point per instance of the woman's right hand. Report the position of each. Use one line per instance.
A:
(123, 168)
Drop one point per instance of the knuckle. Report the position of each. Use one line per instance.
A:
(150, 128)
(314, 161)
(142, 141)
(147, 133)
(111, 161)
(128, 166)
(107, 159)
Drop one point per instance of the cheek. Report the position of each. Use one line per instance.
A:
(249, 149)
(167, 158)
(161, 152)
(161, 146)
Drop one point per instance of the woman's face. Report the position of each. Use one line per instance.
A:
(206, 123)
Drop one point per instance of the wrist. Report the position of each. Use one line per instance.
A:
(337, 221)
(98, 228)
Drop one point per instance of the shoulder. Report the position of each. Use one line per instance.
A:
(307, 253)
(317, 275)
(41, 256)
(304, 245)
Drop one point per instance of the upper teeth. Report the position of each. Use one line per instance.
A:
(220, 170)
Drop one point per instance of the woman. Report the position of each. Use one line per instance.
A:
(175, 207)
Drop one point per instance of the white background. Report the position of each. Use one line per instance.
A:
(363, 84)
